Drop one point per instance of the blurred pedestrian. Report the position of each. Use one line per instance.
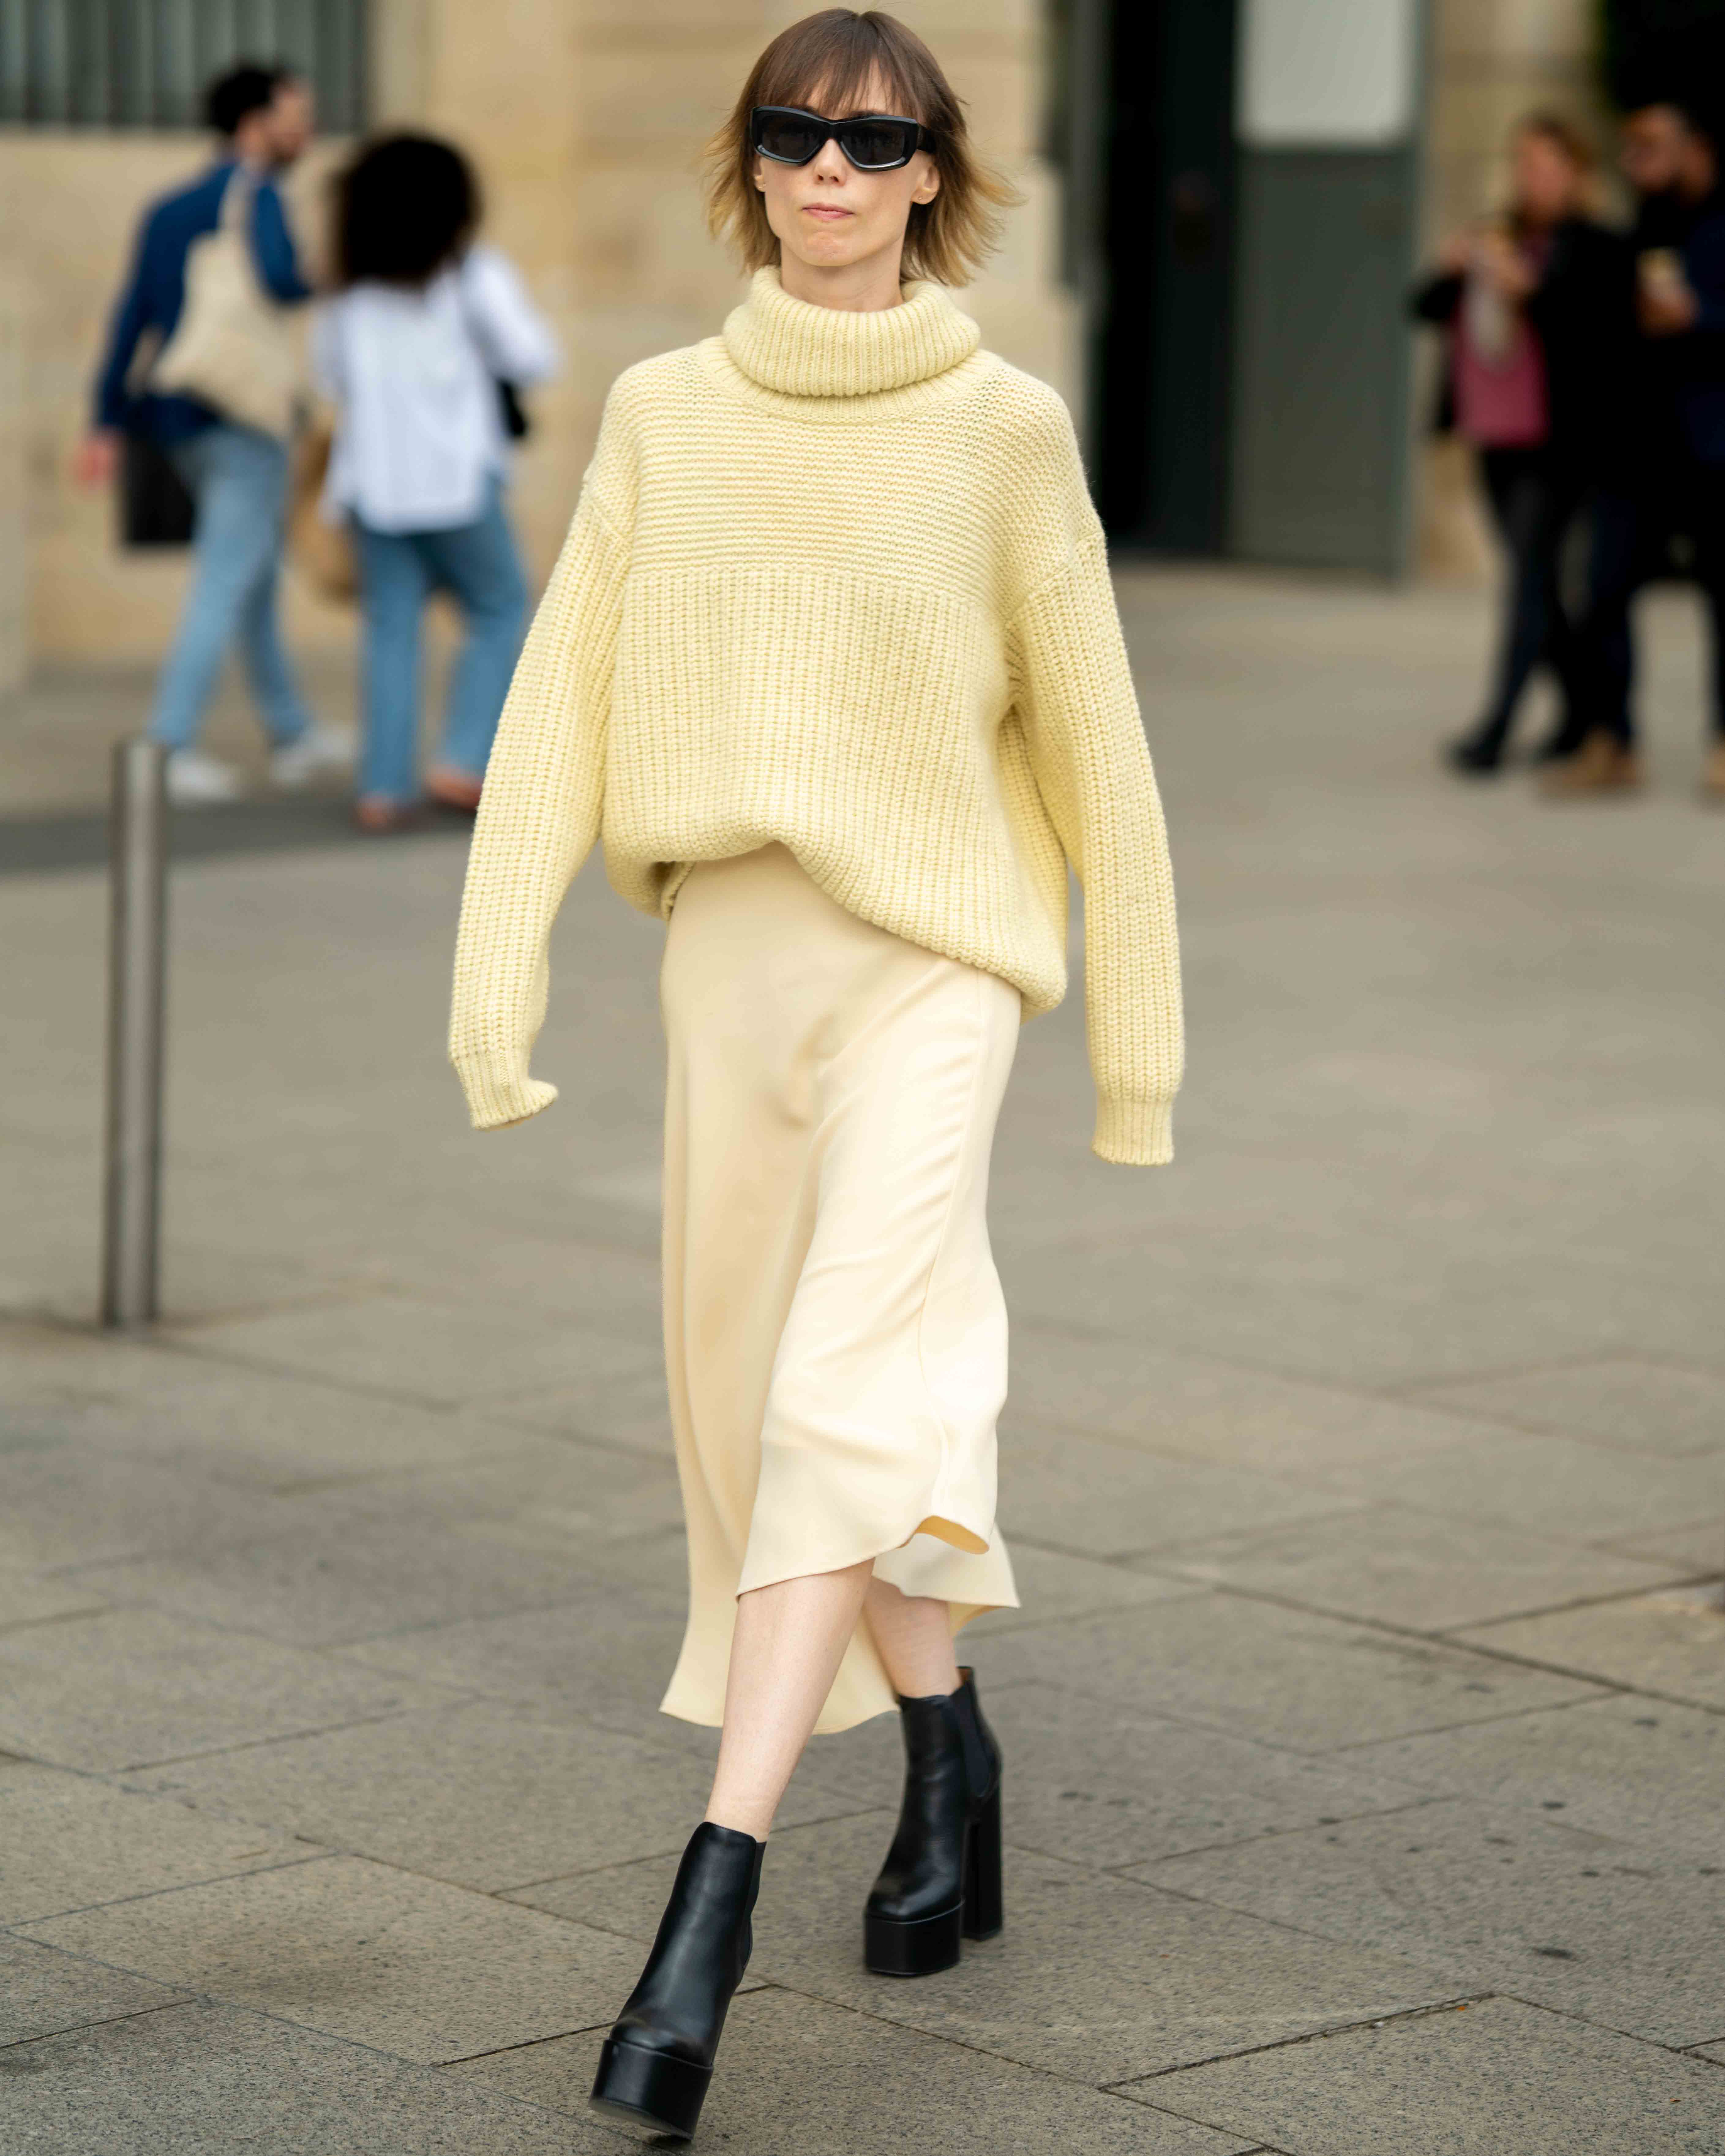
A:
(1532, 302)
(236, 470)
(422, 352)
(831, 663)
(1665, 474)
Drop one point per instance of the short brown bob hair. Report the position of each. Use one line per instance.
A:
(835, 55)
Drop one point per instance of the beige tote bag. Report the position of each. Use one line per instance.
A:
(233, 346)
(324, 553)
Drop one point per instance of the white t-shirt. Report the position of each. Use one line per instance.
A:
(413, 373)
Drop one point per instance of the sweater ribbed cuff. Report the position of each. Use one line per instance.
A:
(1134, 1133)
(496, 1098)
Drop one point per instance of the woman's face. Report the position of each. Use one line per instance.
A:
(827, 214)
(1545, 182)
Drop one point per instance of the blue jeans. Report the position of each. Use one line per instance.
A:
(238, 480)
(398, 571)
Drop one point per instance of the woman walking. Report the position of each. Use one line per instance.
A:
(831, 666)
(429, 333)
(1536, 305)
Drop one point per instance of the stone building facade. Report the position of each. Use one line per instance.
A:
(586, 119)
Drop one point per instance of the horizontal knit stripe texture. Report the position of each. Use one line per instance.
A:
(870, 620)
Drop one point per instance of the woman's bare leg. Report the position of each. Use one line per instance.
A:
(785, 1652)
(914, 1636)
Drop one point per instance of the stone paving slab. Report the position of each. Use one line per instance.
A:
(1338, 1335)
(1498, 2076)
(1697, 1549)
(603, 1659)
(1639, 1770)
(482, 1795)
(1138, 1389)
(42, 1993)
(1421, 1570)
(207, 2080)
(435, 1351)
(33, 1598)
(603, 1655)
(1641, 1408)
(55, 1510)
(329, 1584)
(1055, 1584)
(409, 1966)
(606, 1285)
(1094, 1976)
(1671, 1643)
(67, 1842)
(558, 1492)
(1112, 1500)
(798, 2074)
(236, 1425)
(1611, 1931)
(134, 1687)
(1553, 1486)
(630, 1410)
(1106, 1788)
(1280, 1676)
(525, 1526)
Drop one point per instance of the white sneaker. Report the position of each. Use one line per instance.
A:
(318, 750)
(195, 780)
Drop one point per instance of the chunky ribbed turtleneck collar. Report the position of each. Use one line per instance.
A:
(804, 350)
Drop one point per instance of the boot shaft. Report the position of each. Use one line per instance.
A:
(947, 1729)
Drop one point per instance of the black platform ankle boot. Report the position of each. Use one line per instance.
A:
(658, 2059)
(942, 1878)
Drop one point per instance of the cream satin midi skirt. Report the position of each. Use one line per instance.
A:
(835, 1334)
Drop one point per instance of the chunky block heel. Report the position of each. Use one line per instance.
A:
(941, 1881)
(984, 1915)
(657, 2063)
(651, 2089)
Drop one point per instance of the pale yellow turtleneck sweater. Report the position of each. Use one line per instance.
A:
(835, 579)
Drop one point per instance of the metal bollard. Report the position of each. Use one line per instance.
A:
(137, 981)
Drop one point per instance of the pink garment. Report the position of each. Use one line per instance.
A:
(1502, 404)
(1501, 396)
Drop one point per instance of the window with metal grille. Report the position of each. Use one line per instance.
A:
(146, 63)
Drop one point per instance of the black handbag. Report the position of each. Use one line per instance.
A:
(156, 509)
(515, 423)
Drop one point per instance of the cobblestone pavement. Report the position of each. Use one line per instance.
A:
(1365, 1719)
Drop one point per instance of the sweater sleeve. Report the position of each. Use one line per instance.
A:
(1079, 714)
(539, 815)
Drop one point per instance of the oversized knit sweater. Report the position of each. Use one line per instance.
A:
(834, 580)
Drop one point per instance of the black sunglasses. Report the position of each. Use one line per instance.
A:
(877, 142)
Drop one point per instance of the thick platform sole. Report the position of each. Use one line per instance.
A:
(652, 2091)
(923, 1948)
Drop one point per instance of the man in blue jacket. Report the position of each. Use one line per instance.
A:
(238, 476)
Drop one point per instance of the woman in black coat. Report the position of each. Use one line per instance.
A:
(1538, 308)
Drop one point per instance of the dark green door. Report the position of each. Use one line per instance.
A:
(1242, 175)
(1321, 359)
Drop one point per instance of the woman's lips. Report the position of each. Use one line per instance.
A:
(825, 212)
